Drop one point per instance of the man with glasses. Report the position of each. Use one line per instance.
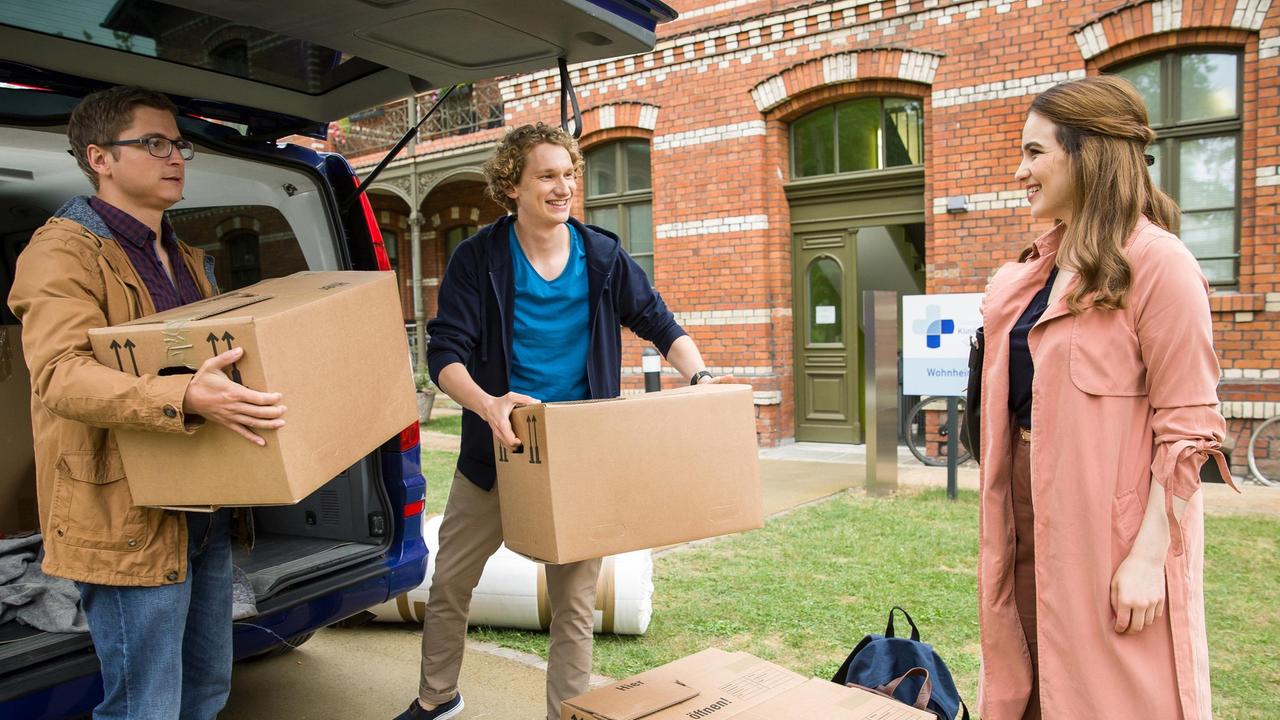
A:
(155, 584)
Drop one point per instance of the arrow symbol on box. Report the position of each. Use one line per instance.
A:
(535, 454)
(213, 342)
(235, 371)
(128, 345)
(115, 346)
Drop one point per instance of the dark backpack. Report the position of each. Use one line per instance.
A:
(909, 671)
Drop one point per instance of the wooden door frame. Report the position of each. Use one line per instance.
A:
(866, 199)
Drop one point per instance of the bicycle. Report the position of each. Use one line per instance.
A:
(1264, 452)
(925, 430)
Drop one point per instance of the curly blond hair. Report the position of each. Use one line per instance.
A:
(503, 169)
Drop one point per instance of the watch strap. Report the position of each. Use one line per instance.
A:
(697, 377)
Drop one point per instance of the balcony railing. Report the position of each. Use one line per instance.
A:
(469, 109)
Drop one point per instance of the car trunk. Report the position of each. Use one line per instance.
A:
(293, 66)
(258, 220)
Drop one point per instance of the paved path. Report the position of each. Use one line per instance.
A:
(371, 673)
(810, 462)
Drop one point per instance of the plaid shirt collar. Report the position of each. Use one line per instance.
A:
(128, 228)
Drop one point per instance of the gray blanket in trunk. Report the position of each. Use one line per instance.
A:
(32, 598)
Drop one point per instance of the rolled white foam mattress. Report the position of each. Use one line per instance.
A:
(513, 592)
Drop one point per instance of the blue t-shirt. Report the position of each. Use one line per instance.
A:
(551, 326)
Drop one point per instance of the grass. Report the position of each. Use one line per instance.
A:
(803, 590)
(450, 424)
(437, 468)
(1242, 608)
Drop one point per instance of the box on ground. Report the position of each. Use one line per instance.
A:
(331, 342)
(717, 685)
(17, 450)
(597, 478)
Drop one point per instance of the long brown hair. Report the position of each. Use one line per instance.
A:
(1102, 126)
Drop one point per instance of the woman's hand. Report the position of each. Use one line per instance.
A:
(1138, 592)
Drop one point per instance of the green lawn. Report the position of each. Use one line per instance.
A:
(451, 423)
(437, 468)
(803, 590)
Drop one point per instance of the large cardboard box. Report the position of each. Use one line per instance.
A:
(717, 685)
(17, 450)
(602, 477)
(332, 343)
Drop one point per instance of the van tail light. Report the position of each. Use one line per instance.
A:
(415, 508)
(410, 437)
(375, 232)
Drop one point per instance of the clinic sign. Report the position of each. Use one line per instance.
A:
(935, 342)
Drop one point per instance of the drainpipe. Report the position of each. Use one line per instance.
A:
(415, 244)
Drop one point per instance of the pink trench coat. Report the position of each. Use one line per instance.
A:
(1119, 396)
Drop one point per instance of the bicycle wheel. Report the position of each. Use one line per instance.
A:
(926, 431)
(1264, 452)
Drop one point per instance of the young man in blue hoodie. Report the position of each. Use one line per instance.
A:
(530, 310)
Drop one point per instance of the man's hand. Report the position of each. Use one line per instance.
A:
(213, 395)
(723, 379)
(1137, 593)
(497, 412)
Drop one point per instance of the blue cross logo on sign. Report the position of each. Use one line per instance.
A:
(933, 327)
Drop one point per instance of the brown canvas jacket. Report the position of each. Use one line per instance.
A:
(73, 277)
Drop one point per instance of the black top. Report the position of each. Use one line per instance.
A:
(1021, 369)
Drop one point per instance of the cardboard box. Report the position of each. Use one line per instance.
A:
(332, 343)
(17, 449)
(602, 477)
(716, 685)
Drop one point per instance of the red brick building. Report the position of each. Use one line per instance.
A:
(769, 160)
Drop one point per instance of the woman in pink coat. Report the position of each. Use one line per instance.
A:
(1099, 407)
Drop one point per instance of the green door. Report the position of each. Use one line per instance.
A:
(826, 338)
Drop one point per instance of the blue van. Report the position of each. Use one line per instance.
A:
(245, 75)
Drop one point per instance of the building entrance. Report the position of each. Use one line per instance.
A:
(847, 237)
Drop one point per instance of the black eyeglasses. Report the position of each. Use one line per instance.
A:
(160, 147)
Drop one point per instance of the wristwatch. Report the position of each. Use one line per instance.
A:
(697, 377)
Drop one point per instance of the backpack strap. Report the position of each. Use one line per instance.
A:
(888, 630)
(926, 688)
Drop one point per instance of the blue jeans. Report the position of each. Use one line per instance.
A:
(146, 637)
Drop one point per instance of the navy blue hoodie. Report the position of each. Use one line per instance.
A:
(474, 320)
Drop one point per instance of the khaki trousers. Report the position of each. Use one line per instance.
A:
(471, 532)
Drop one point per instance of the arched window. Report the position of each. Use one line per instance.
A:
(620, 196)
(453, 237)
(243, 258)
(1193, 102)
(231, 57)
(863, 134)
(391, 242)
(825, 284)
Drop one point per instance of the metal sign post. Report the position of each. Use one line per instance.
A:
(880, 363)
(935, 357)
(953, 446)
